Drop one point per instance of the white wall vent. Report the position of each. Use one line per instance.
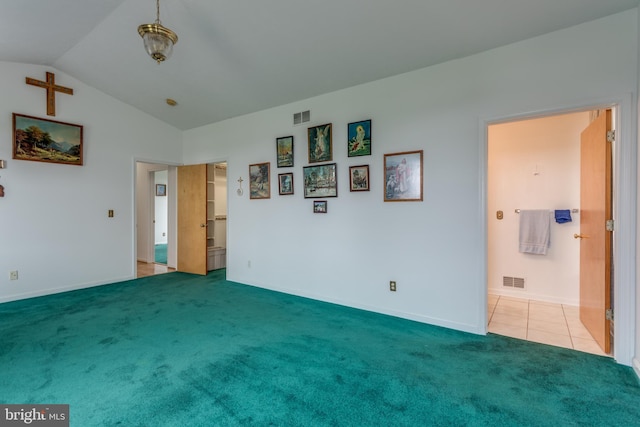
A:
(513, 282)
(301, 117)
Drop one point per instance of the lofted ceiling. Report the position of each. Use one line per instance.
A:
(235, 57)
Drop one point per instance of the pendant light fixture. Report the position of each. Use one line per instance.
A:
(158, 40)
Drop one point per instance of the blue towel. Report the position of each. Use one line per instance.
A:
(563, 215)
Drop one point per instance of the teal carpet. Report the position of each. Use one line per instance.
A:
(184, 350)
(161, 253)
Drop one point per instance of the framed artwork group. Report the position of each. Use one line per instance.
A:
(403, 171)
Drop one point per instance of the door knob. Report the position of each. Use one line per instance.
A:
(580, 236)
(203, 225)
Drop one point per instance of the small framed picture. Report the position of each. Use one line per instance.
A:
(284, 150)
(285, 183)
(320, 144)
(403, 177)
(161, 189)
(359, 178)
(259, 184)
(320, 181)
(319, 206)
(359, 134)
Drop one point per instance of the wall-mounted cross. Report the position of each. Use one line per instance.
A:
(51, 87)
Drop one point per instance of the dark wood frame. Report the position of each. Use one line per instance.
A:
(281, 191)
(257, 187)
(356, 184)
(393, 185)
(355, 147)
(311, 183)
(284, 159)
(320, 206)
(48, 148)
(161, 189)
(319, 153)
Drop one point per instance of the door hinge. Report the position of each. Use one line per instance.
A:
(609, 225)
(609, 314)
(611, 135)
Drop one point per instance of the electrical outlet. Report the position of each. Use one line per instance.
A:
(249, 263)
(392, 286)
(13, 275)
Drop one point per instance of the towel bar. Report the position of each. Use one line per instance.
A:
(572, 211)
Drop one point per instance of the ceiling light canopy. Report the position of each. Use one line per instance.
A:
(158, 40)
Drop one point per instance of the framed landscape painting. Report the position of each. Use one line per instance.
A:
(403, 177)
(259, 185)
(284, 150)
(319, 206)
(359, 134)
(320, 144)
(359, 178)
(285, 183)
(320, 181)
(43, 140)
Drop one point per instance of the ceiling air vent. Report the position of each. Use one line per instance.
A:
(513, 282)
(301, 117)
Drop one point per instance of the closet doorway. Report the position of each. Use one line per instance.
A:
(535, 164)
(202, 217)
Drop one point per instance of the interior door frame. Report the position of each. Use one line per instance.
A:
(624, 214)
(171, 213)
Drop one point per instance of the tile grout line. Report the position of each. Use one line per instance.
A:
(527, 328)
(566, 322)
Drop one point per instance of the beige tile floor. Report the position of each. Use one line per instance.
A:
(542, 322)
(151, 269)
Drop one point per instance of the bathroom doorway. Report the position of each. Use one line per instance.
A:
(534, 164)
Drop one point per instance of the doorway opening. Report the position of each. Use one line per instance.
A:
(534, 164)
(216, 216)
(155, 218)
(160, 216)
(202, 217)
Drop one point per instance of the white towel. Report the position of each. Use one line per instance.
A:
(534, 231)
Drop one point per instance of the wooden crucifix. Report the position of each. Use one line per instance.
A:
(51, 87)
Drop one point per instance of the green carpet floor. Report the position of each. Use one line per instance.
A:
(184, 350)
(160, 255)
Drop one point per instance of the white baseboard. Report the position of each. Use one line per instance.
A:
(636, 366)
(523, 294)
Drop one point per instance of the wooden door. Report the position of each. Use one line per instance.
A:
(595, 240)
(192, 219)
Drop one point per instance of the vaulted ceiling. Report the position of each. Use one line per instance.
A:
(235, 57)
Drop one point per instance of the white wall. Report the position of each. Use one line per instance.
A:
(535, 164)
(433, 249)
(54, 227)
(636, 359)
